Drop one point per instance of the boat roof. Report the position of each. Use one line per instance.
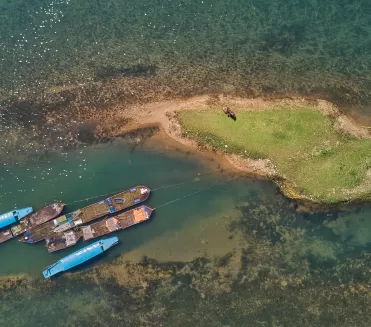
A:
(11, 217)
(82, 255)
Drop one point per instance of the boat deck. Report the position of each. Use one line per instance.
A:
(84, 215)
(5, 235)
(62, 241)
(47, 213)
(100, 228)
(106, 226)
(20, 228)
(113, 224)
(10, 233)
(137, 216)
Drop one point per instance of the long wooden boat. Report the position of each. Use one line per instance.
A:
(113, 224)
(80, 256)
(106, 226)
(115, 203)
(41, 216)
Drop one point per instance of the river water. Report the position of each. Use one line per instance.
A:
(237, 253)
(88, 172)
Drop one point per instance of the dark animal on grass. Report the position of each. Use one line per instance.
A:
(230, 113)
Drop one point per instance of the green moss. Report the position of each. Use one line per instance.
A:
(325, 164)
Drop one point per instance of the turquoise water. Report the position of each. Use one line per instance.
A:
(238, 254)
(235, 252)
(93, 171)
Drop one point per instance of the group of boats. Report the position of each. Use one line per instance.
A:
(61, 232)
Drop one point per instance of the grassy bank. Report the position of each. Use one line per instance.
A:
(321, 163)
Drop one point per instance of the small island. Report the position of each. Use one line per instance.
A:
(307, 147)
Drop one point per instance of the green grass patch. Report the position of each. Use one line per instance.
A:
(325, 164)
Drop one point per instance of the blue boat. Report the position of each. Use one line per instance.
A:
(80, 256)
(12, 217)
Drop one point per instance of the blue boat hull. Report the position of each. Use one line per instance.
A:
(12, 217)
(80, 256)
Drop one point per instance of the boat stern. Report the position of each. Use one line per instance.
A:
(52, 270)
(58, 207)
(47, 273)
(148, 210)
(144, 192)
(109, 242)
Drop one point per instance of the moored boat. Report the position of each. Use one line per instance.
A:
(84, 215)
(40, 216)
(80, 256)
(124, 220)
(12, 217)
(45, 214)
(121, 221)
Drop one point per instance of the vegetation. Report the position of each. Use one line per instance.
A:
(322, 163)
(284, 271)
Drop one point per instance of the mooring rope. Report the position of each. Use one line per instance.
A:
(187, 182)
(90, 198)
(196, 192)
(366, 127)
(194, 180)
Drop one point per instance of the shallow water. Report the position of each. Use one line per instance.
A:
(103, 169)
(240, 240)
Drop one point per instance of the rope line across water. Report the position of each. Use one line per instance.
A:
(194, 193)
(187, 182)
(194, 180)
